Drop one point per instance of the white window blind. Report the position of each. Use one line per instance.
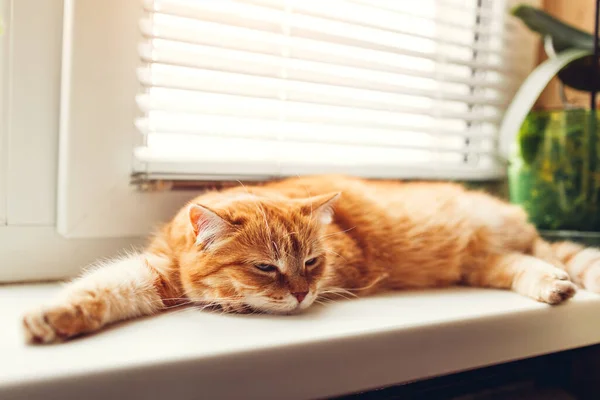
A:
(253, 89)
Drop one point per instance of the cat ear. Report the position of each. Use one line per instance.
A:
(321, 207)
(207, 224)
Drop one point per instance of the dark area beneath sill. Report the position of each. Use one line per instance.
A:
(566, 375)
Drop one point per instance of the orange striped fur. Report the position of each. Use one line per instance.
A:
(281, 246)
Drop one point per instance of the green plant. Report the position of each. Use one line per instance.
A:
(548, 175)
(553, 171)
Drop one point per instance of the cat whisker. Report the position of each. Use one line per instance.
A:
(343, 293)
(340, 296)
(218, 307)
(192, 305)
(337, 254)
(324, 302)
(183, 309)
(202, 305)
(336, 233)
(290, 234)
(277, 252)
(161, 302)
(348, 293)
(373, 283)
(177, 305)
(337, 290)
(177, 298)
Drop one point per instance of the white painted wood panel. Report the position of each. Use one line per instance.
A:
(33, 101)
(30, 253)
(4, 56)
(97, 136)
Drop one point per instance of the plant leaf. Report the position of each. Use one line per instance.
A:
(564, 36)
(528, 93)
(531, 135)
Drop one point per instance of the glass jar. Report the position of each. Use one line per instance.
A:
(554, 170)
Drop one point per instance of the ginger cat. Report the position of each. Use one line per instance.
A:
(277, 247)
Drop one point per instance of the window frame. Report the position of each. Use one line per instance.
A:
(99, 211)
(96, 198)
(190, 166)
(4, 57)
(31, 71)
(30, 65)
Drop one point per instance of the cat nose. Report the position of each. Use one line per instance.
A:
(299, 296)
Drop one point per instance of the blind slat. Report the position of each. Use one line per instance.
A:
(429, 65)
(372, 17)
(260, 18)
(448, 16)
(204, 57)
(249, 128)
(256, 89)
(166, 165)
(224, 82)
(187, 102)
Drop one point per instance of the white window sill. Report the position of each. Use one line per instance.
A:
(340, 348)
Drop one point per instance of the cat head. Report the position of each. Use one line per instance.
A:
(257, 253)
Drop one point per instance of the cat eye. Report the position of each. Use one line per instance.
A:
(310, 262)
(266, 267)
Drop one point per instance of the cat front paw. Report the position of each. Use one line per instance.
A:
(58, 323)
(556, 291)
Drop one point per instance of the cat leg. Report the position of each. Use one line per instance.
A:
(544, 251)
(527, 275)
(122, 289)
(582, 263)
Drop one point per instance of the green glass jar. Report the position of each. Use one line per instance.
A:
(554, 170)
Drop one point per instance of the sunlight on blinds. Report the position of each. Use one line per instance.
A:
(377, 88)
